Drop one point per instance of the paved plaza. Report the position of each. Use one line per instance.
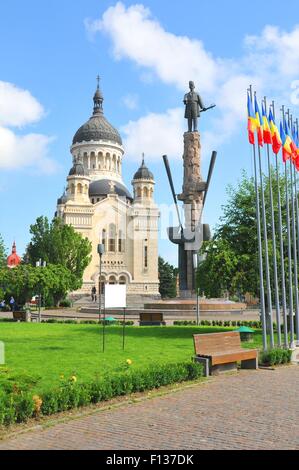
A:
(245, 410)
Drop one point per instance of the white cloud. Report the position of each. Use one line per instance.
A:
(173, 58)
(131, 101)
(270, 62)
(19, 108)
(155, 135)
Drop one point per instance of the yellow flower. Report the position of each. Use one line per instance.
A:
(62, 376)
(37, 403)
(74, 379)
(129, 362)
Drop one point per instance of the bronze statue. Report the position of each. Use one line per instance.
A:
(194, 106)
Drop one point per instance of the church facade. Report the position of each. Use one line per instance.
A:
(98, 205)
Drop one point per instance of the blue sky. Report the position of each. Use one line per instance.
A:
(145, 53)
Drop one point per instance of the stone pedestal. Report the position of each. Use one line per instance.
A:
(193, 188)
(295, 356)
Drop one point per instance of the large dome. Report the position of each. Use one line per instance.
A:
(97, 127)
(104, 187)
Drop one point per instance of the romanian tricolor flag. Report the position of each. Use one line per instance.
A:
(259, 123)
(276, 140)
(286, 145)
(266, 128)
(296, 142)
(251, 121)
(290, 141)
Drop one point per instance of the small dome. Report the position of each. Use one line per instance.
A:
(77, 170)
(104, 187)
(62, 199)
(143, 173)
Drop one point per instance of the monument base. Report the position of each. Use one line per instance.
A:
(295, 356)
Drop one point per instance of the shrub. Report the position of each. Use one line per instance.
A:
(66, 303)
(275, 357)
(21, 405)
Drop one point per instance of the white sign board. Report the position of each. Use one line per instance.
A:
(115, 296)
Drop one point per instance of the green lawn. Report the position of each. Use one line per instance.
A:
(52, 350)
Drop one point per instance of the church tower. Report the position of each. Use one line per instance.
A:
(98, 205)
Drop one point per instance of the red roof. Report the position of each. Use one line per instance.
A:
(13, 259)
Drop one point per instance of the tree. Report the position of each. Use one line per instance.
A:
(231, 257)
(25, 281)
(59, 244)
(3, 253)
(168, 279)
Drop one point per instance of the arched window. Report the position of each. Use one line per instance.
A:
(112, 238)
(104, 238)
(122, 280)
(80, 188)
(112, 280)
(145, 192)
(72, 188)
(92, 160)
(138, 192)
(121, 242)
(102, 282)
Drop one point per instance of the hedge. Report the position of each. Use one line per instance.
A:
(221, 323)
(275, 357)
(19, 405)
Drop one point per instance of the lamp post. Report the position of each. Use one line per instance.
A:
(101, 251)
(40, 264)
(195, 265)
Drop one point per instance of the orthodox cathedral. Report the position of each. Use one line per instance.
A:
(98, 205)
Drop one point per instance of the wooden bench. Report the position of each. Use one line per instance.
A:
(220, 352)
(151, 319)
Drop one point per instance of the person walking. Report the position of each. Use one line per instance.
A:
(93, 294)
(12, 304)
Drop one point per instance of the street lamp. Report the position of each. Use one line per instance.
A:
(101, 251)
(40, 264)
(195, 265)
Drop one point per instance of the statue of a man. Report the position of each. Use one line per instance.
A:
(194, 105)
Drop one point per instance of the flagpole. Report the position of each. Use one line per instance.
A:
(260, 252)
(268, 281)
(289, 248)
(277, 304)
(294, 241)
(297, 212)
(296, 235)
(282, 263)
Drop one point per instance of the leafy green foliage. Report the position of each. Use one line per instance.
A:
(17, 404)
(231, 257)
(168, 279)
(59, 244)
(3, 253)
(275, 357)
(24, 281)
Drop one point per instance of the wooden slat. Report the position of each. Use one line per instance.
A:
(217, 342)
(234, 356)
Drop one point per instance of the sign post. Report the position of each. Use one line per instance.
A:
(115, 297)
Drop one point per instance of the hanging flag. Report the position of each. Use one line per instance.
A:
(286, 147)
(276, 140)
(267, 136)
(296, 142)
(290, 140)
(251, 121)
(259, 125)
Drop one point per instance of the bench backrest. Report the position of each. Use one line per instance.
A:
(216, 342)
(151, 316)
